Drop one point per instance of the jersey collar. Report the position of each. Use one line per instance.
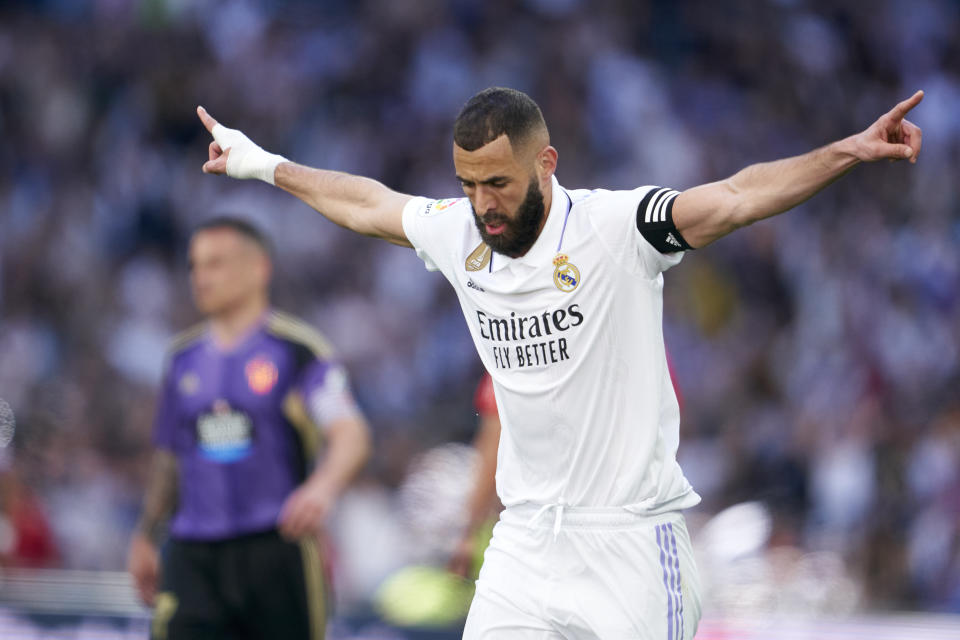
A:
(545, 246)
(243, 341)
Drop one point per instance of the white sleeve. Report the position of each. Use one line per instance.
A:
(432, 227)
(614, 216)
(413, 211)
(331, 401)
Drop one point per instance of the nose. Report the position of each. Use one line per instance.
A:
(484, 200)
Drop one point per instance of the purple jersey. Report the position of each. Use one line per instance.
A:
(244, 423)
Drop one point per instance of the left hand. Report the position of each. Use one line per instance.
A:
(305, 510)
(892, 137)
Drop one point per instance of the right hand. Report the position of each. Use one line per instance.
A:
(234, 154)
(143, 563)
(461, 560)
(304, 511)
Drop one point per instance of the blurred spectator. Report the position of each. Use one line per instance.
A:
(26, 539)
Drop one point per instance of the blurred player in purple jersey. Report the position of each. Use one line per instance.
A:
(247, 398)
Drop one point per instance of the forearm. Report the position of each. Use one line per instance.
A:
(769, 188)
(482, 495)
(708, 212)
(357, 203)
(484, 490)
(354, 202)
(347, 451)
(161, 495)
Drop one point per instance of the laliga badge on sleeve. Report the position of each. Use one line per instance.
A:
(565, 274)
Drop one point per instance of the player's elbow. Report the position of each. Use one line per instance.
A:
(360, 441)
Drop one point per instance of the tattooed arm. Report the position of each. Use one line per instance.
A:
(159, 502)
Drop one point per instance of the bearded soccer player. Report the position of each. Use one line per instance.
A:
(247, 398)
(562, 292)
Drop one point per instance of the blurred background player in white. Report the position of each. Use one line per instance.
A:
(562, 293)
(247, 398)
(482, 503)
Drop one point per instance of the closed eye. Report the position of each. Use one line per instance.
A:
(496, 182)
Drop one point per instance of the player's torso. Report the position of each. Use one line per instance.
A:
(575, 348)
(533, 324)
(229, 403)
(238, 452)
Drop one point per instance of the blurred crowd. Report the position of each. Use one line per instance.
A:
(818, 354)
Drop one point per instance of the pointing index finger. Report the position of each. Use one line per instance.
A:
(206, 119)
(904, 107)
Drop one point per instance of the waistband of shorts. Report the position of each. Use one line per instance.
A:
(543, 516)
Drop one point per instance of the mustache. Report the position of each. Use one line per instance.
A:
(493, 218)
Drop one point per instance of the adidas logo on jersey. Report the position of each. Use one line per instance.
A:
(672, 240)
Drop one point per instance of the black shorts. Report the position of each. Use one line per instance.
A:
(252, 587)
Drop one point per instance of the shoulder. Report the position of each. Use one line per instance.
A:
(439, 229)
(617, 217)
(423, 216)
(612, 211)
(612, 202)
(298, 334)
(186, 340)
(606, 212)
(430, 208)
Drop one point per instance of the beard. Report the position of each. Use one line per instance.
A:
(520, 231)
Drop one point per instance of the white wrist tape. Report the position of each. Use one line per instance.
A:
(246, 159)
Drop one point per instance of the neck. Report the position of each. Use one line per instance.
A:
(230, 326)
(547, 203)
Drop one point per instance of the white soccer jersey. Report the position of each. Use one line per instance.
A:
(572, 335)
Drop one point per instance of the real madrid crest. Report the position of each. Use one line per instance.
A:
(565, 275)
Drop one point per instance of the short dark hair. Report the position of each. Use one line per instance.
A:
(494, 112)
(239, 225)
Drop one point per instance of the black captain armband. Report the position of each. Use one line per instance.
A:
(655, 221)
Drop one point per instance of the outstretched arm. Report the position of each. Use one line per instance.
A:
(708, 212)
(357, 203)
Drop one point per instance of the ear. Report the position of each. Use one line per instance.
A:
(546, 164)
(266, 270)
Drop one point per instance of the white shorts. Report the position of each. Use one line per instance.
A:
(603, 574)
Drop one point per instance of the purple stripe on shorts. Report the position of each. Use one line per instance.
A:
(673, 574)
(661, 534)
(676, 565)
(667, 534)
